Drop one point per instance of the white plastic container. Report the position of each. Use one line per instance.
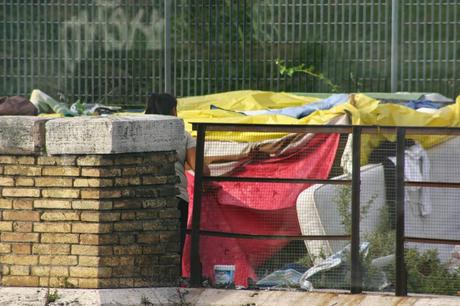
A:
(224, 276)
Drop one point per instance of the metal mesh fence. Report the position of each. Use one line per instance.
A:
(115, 52)
(281, 208)
(100, 51)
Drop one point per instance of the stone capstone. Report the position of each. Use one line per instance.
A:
(113, 134)
(22, 134)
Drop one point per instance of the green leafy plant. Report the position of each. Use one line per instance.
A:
(310, 70)
(52, 296)
(80, 106)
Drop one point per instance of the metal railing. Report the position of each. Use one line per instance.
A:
(356, 283)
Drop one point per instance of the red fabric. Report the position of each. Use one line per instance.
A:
(257, 208)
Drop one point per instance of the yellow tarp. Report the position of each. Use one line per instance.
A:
(363, 109)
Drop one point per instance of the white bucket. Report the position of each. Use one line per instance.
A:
(224, 276)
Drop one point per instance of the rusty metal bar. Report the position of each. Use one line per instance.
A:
(401, 277)
(356, 267)
(195, 263)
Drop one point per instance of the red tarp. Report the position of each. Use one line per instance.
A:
(257, 208)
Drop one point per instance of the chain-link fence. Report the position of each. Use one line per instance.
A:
(292, 207)
(116, 52)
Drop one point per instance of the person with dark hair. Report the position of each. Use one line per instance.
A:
(166, 104)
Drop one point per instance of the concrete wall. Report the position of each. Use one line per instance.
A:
(103, 216)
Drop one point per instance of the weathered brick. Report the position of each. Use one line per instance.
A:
(6, 226)
(169, 213)
(6, 181)
(127, 250)
(127, 204)
(26, 160)
(53, 182)
(19, 270)
(129, 159)
(128, 215)
(100, 172)
(92, 205)
(126, 271)
(22, 204)
(53, 204)
(148, 237)
(146, 261)
(173, 259)
(48, 249)
(23, 170)
(50, 271)
(24, 182)
(19, 237)
(95, 239)
(58, 260)
(142, 170)
(22, 227)
(157, 180)
(63, 193)
(90, 283)
(21, 248)
(90, 272)
(6, 204)
(91, 228)
(127, 226)
(4, 159)
(19, 259)
(159, 203)
(67, 160)
(21, 215)
(94, 160)
(153, 225)
(100, 194)
(92, 182)
(156, 249)
(5, 248)
(52, 227)
(127, 181)
(91, 250)
(61, 171)
(59, 238)
(126, 238)
(21, 192)
(89, 261)
(100, 216)
(147, 214)
(60, 216)
(57, 282)
(20, 281)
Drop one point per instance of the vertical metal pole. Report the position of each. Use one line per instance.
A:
(167, 46)
(356, 275)
(195, 264)
(394, 44)
(401, 276)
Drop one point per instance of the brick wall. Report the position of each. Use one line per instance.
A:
(88, 221)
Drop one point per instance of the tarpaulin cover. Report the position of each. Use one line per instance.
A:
(362, 109)
(257, 208)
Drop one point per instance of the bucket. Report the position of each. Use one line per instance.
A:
(224, 276)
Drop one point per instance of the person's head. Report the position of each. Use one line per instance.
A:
(161, 104)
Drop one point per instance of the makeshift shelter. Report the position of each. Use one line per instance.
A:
(261, 208)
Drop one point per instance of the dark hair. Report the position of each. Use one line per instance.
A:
(161, 104)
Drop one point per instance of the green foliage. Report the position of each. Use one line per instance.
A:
(80, 107)
(343, 202)
(426, 274)
(310, 70)
(52, 296)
